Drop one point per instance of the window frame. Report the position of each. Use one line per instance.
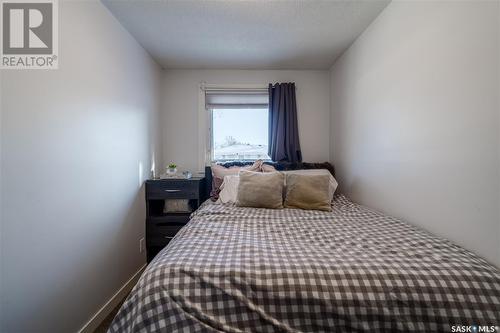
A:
(205, 118)
(210, 154)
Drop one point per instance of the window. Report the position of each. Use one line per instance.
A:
(239, 134)
(238, 124)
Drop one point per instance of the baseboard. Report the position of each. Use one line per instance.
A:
(106, 309)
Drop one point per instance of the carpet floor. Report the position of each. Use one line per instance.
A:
(103, 328)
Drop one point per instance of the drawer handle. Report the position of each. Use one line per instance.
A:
(168, 237)
(172, 191)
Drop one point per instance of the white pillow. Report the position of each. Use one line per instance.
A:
(229, 189)
(333, 183)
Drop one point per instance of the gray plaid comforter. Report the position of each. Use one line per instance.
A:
(233, 269)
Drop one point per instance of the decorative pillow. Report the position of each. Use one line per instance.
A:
(229, 189)
(267, 168)
(261, 190)
(331, 180)
(219, 172)
(307, 192)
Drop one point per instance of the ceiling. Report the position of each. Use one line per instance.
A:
(250, 34)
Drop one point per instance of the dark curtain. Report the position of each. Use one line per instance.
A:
(284, 143)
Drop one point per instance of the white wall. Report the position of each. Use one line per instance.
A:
(77, 143)
(181, 128)
(1, 214)
(415, 119)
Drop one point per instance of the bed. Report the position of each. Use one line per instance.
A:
(238, 269)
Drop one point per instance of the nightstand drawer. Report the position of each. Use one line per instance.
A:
(163, 230)
(158, 241)
(169, 218)
(173, 189)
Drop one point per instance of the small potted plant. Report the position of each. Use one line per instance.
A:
(171, 169)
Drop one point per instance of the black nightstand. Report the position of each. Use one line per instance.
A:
(161, 222)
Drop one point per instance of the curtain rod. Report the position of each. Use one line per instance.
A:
(235, 87)
(263, 89)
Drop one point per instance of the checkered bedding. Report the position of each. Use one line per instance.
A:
(234, 269)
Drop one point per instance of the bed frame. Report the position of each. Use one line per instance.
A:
(280, 166)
